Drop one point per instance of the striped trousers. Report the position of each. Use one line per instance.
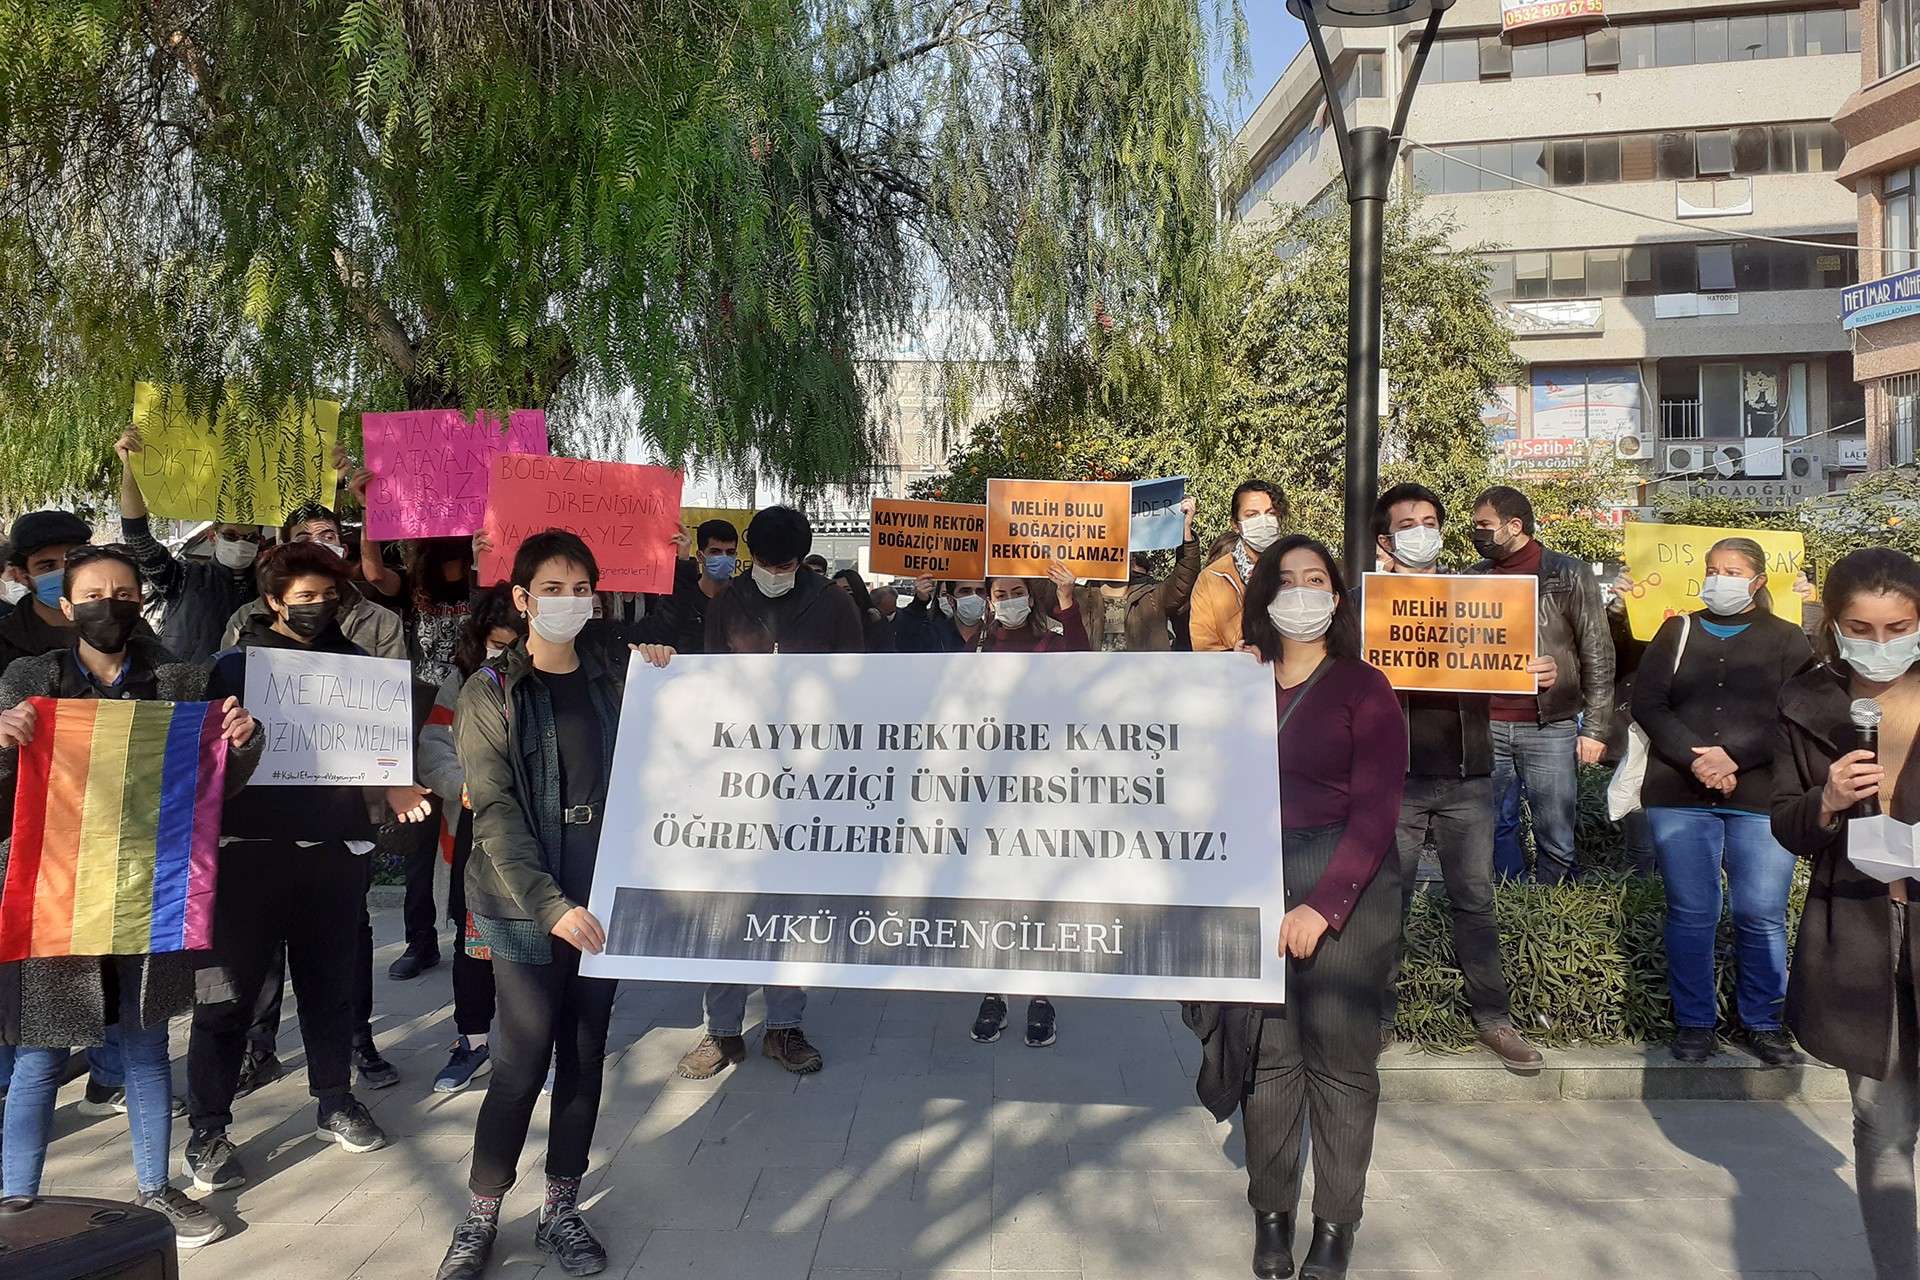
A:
(1318, 1060)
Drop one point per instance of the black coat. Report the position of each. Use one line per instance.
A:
(1229, 1047)
(1840, 988)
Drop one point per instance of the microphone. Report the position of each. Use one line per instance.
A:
(1865, 714)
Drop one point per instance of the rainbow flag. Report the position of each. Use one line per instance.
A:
(116, 824)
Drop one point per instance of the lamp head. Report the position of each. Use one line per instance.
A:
(1369, 13)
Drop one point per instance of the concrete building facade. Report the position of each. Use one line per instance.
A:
(1881, 124)
(1620, 173)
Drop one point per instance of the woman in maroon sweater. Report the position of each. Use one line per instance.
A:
(1343, 759)
(1015, 625)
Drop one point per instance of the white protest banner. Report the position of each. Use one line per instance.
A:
(1060, 824)
(331, 719)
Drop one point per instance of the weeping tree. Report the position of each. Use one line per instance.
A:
(679, 223)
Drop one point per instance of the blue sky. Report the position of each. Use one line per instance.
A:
(1273, 37)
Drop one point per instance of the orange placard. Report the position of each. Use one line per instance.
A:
(1451, 633)
(1085, 526)
(945, 539)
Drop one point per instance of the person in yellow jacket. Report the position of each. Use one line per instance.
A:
(1259, 509)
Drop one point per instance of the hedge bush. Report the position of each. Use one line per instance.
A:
(1586, 961)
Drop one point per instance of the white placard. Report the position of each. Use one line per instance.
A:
(331, 719)
(1883, 848)
(1038, 824)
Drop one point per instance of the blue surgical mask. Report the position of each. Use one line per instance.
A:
(721, 568)
(48, 586)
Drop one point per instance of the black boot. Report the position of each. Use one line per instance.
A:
(1272, 1245)
(1331, 1251)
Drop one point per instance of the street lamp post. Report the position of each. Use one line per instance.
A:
(1367, 156)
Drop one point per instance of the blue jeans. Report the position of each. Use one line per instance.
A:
(1696, 846)
(36, 1079)
(104, 1066)
(1539, 761)
(727, 1008)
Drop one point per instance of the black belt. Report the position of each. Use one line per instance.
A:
(579, 815)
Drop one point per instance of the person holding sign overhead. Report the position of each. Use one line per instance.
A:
(293, 874)
(1342, 754)
(535, 730)
(1132, 616)
(1707, 695)
(1259, 509)
(74, 1000)
(1014, 626)
(1449, 797)
(942, 617)
(780, 607)
(1851, 996)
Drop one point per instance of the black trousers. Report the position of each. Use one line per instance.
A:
(548, 1012)
(263, 1033)
(1458, 814)
(1319, 1053)
(274, 894)
(472, 977)
(418, 846)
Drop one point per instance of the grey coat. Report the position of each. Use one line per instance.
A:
(57, 1003)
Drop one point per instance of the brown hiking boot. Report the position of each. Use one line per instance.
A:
(1505, 1044)
(788, 1046)
(711, 1056)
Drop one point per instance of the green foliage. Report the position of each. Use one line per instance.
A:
(678, 223)
(1280, 389)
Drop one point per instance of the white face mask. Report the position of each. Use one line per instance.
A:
(1302, 613)
(773, 585)
(235, 553)
(968, 610)
(494, 651)
(1417, 547)
(1880, 663)
(1261, 531)
(1012, 612)
(558, 619)
(338, 549)
(1725, 595)
(13, 592)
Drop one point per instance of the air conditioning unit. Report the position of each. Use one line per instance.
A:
(1683, 459)
(1804, 464)
(1631, 448)
(1766, 458)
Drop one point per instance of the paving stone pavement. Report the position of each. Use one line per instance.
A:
(918, 1155)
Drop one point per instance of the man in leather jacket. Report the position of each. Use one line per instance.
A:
(1542, 739)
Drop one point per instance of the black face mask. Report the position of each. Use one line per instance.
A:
(309, 620)
(1487, 543)
(106, 625)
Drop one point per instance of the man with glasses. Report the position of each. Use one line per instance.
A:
(951, 624)
(372, 627)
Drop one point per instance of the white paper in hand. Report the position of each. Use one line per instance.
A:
(1883, 848)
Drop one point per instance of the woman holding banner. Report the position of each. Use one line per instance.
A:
(535, 731)
(1343, 754)
(1851, 996)
(55, 1003)
(1707, 695)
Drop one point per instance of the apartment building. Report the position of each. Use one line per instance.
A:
(1881, 124)
(1622, 171)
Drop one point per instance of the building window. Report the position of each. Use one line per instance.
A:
(1901, 397)
(1634, 46)
(1898, 231)
(1899, 35)
(1676, 156)
(1716, 400)
(1644, 271)
(1585, 402)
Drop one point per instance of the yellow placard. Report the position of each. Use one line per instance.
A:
(234, 469)
(691, 518)
(1451, 633)
(1668, 565)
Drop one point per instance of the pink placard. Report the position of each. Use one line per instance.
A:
(430, 468)
(627, 515)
